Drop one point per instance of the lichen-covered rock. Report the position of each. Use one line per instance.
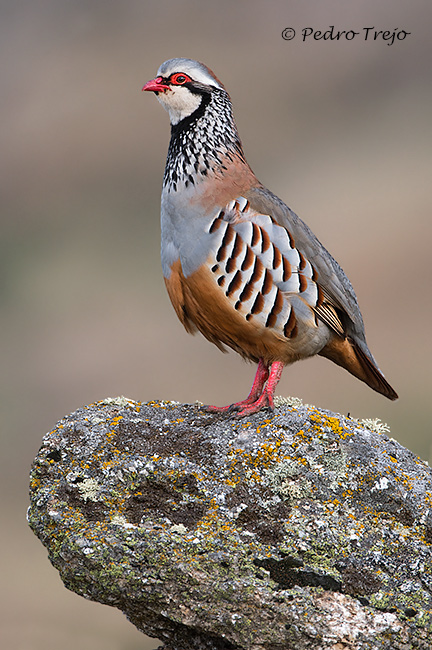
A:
(299, 529)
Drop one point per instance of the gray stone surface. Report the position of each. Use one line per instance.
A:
(297, 529)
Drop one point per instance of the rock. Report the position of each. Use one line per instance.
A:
(297, 529)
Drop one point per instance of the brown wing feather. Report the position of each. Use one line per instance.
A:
(327, 311)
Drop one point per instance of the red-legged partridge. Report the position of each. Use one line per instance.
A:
(239, 265)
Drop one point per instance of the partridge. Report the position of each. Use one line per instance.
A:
(239, 265)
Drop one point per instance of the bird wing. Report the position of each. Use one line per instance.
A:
(257, 262)
(316, 281)
(340, 301)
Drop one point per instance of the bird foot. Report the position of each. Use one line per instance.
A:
(264, 402)
(215, 409)
(231, 408)
(244, 408)
(261, 395)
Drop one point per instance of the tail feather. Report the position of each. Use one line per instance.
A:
(347, 353)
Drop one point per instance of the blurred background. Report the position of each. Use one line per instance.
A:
(339, 130)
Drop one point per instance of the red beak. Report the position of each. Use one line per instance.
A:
(155, 85)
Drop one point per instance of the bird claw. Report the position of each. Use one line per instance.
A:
(253, 408)
(215, 409)
(231, 408)
(241, 409)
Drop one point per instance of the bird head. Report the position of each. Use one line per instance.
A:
(181, 85)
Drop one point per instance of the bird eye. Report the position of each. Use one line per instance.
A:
(179, 79)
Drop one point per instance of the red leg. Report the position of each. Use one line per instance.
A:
(261, 394)
(265, 400)
(261, 377)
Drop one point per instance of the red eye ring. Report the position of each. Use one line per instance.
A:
(179, 78)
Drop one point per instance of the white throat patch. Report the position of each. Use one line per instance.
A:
(179, 102)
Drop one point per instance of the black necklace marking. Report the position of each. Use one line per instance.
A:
(200, 141)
